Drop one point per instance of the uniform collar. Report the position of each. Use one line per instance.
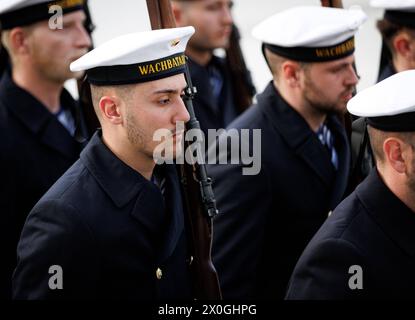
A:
(388, 70)
(299, 137)
(37, 118)
(119, 181)
(124, 185)
(392, 215)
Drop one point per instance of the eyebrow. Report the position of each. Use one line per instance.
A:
(341, 65)
(168, 91)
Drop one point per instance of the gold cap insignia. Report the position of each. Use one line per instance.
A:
(174, 42)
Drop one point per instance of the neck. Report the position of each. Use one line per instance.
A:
(401, 64)
(138, 161)
(398, 187)
(201, 57)
(47, 92)
(294, 98)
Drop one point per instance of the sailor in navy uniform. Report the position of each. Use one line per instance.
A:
(366, 248)
(42, 127)
(267, 218)
(113, 223)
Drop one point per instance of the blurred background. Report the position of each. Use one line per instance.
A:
(114, 18)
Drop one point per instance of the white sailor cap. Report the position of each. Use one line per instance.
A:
(136, 57)
(311, 33)
(388, 105)
(14, 13)
(400, 12)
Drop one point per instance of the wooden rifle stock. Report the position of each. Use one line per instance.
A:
(84, 89)
(3, 58)
(345, 118)
(199, 202)
(332, 3)
(243, 89)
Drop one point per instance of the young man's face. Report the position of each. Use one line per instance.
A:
(328, 86)
(152, 106)
(212, 20)
(53, 50)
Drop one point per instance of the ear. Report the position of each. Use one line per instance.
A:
(396, 154)
(19, 40)
(291, 72)
(177, 13)
(402, 44)
(110, 107)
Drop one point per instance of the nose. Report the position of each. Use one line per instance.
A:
(352, 78)
(181, 113)
(83, 39)
(227, 15)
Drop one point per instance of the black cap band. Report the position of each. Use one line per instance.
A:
(138, 72)
(38, 12)
(404, 122)
(315, 54)
(401, 18)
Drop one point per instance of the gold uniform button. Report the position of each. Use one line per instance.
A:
(159, 273)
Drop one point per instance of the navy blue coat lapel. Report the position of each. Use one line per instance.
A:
(36, 118)
(344, 156)
(123, 184)
(174, 212)
(297, 134)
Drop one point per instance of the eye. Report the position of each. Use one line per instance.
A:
(164, 101)
(214, 6)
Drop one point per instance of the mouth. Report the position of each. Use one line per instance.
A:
(177, 134)
(347, 96)
(76, 57)
(225, 32)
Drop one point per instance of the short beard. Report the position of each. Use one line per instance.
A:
(134, 134)
(311, 94)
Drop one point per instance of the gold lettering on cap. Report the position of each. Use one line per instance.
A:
(336, 51)
(162, 65)
(65, 4)
(143, 70)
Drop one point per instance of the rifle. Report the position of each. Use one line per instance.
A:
(199, 201)
(332, 3)
(346, 118)
(84, 89)
(4, 58)
(243, 89)
(385, 58)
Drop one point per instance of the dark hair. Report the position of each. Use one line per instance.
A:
(388, 30)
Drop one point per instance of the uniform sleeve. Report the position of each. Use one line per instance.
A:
(55, 239)
(238, 231)
(331, 270)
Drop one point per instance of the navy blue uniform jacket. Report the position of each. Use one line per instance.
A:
(108, 229)
(266, 220)
(36, 150)
(371, 229)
